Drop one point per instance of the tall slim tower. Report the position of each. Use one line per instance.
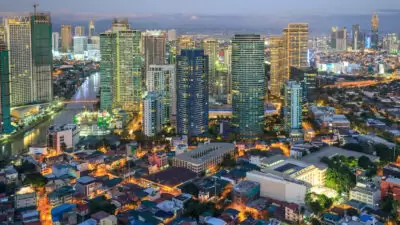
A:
(293, 106)
(55, 41)
(356, 37)
(277, 65)
(5, 118)
(66, 37)
(210, 46)
(296, 46)
(248, 84)
(228, 65)
(79, 31)
(152, 113)
(341, 39)
(91, 28)
(374, 31)
(184, 43)
(121, 70)
(192, 92)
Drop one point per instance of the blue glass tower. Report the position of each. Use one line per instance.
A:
(5, 126)
(192, 92)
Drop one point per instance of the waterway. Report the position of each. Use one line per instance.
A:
(38, 135)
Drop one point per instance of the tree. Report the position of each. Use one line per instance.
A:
(229, 162)
(35, 179)
(315, 221)
(190, 188)
(385, 154)
(63, 146)
(315, 207)
(353, 147)
(364, 162)
(101, 204)
(26, 167)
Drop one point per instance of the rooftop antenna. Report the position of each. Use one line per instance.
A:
(34, 8)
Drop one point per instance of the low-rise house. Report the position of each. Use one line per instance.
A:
(104, 218)
(366, 193)
(61, 195)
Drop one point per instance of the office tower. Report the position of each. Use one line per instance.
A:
(120, 24)
(5, 118)
(171, 52)
(55, 41)
(391, 43)
(152, 114)
(356, 37)
(277, 65)
(30, 58)
(91, 28)
(307, 77)
(192, 92)
(228, 65)
(66, 37)
(171, 35)
(184, 43)
(162, 79)
(248, 84)
(79, 31)
(221, 85)
(154, 48)
(296, 46)
(210, 46)
(121, 70)
(341, 39)
(374, 31)
(293, 106)
(80, 46)
(333, 37)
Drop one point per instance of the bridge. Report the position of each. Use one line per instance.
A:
(82, 101)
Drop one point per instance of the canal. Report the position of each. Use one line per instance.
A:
(37, 136)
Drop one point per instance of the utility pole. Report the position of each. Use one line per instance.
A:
(34, 8)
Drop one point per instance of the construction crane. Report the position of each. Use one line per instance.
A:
(34, 8)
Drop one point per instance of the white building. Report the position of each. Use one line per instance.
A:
(58, 136)
(25, 197)
(55, 41)
(152, 114)
(171, 35)
(280, 188)
(162, 78)
(367, 193)
(80, 46)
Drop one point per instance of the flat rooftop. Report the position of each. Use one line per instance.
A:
(172, 176)
(315, 158)
(204, 152)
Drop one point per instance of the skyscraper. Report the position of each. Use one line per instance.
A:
(121, 70)
(293, 106)
(79, 31)
(228, 65)
(341, 39)
(162, 79)
(66, 37)
(296, 46)
(333, 37)
(356, 37)
(277, 65)
(154, 48)
(248, 84)
(5, 118)
(80, 46)
(184, 43)
(91, 28)
(30, 58)
(374, 31)
(55, 41)
(152, 113)
(171, 35)
(192, 92)
(119, 24)
(210, 46)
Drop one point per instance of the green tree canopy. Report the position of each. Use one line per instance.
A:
(35, 179)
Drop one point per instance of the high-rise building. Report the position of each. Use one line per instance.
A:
(152, 113)
(80, 31)
(341, 39)
(119, 24)
(121, 69)
(277, 65)
(356, 37)
(210, 46)
(171, 35)
(374, 31)
(184, 43)
(162, 79)
(91, 28)
(228, 65)
(308, 78)
(333, 37)
(55, 41)
(29, 39)
(296, 46)
(192, 92)
(80, 46)
(248, 84)
(391, 43)
(66, 37)
(154, 48)
(5, 118)
(293, 106)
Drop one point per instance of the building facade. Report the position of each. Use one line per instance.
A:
(153, 113)
(63, 136)
(55, 41)
(154, 48)
(293, 106)
(184, 43)
(79, 31)
(5, 117)
(248, 84)
(210, 46)
(91, 28)
(192, 92)
(66, 37)
(277, 65)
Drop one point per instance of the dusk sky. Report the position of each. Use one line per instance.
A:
(321, 14)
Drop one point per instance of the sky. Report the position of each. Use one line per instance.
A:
(243, 12)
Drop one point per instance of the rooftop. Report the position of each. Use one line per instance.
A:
(86, 180)
(205, 152)
(172, 176)
(245, 186)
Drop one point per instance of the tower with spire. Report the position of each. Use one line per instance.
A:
(374, 31)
